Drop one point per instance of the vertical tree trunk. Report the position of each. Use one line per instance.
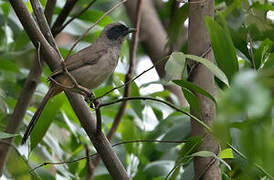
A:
(198, 42)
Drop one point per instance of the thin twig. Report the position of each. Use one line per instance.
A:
(251, 53)
(76, 16)
(132, 59)
(128, 77)
(92, 26)
(62, 16)
(161, 101)
(89, 165)
(49, 10)
(117, 144)
(195, 2)
(24, 97)
(145, 71)
(112, 163)
(195, 65)
(59, 84)
(255, 164)
(127, 82)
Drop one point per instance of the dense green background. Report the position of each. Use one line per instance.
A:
(242, 36)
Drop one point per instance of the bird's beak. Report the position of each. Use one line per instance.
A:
(130, 30)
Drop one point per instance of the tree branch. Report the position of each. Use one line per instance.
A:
(62, 16)
(154, 43)
(130, 72)
(81, 109)
(24, 98)
(201, 123)
(128, 78)
(49, 10)
(75, 16)
(117, 144)
(198, 41)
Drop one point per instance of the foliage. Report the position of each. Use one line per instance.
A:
(242, 37)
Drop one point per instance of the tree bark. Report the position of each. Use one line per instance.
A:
(25, 97)
(198, 42)
(81, 109)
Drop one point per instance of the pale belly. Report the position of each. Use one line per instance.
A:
(91, 76)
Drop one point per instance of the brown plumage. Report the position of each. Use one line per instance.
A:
(90, 66)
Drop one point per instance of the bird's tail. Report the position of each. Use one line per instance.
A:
(37, 114)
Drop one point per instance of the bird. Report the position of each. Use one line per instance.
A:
(89, 67)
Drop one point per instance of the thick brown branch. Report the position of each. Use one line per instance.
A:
(43, 24)
(80, 107)
(24, 98)
(197, 43)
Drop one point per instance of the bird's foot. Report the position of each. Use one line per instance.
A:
(95, 104)
(90, 99)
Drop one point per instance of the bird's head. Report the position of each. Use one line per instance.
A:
(116, 33)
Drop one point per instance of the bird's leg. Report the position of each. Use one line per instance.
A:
(90, 99)
(98, 116)
(95, 104)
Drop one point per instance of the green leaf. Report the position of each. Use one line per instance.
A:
(203, 154)
(191, 99)
(158, 168)
(8, 65)
(93, 16)
(226, 154)
(265, 7)
(174, 66)
(270, 61)
(179, 131)
(192, 144)
(239, 40)
(137, 106)
(212, 67)
(46, 118)
(210, 154)
(193, 87)
(129, 132)
(5, 8)
(176, 26)
(4, 135)
(28, 4)
(262, 52)
(223, 48)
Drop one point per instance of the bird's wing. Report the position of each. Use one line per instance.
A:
(86, 56)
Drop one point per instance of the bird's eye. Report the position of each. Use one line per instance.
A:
(116, 31)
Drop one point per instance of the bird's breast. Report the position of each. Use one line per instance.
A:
(91, 76)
